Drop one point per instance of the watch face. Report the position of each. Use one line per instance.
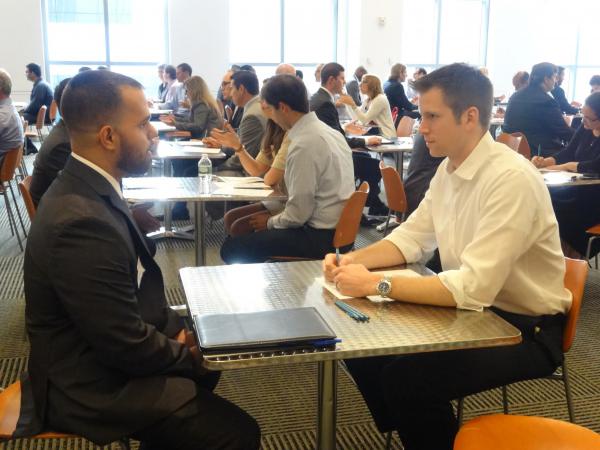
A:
(384, 287)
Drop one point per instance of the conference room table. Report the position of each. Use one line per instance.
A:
(397, 149)
(162, 127)
(394, 328)
(180, 189)
(559, 178)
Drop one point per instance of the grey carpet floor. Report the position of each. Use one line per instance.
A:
(283, 399)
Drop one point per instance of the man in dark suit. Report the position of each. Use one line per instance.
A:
(559, 94)
(352, 86)
(366, 168)
(104, 360)
(533, 112)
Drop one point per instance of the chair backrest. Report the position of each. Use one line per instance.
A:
(510, 140)
(53, 111)
(24, 187)
(394, 188)
(405, 126)
(394, 114)
(349, 222)
(575, 276)
(12, 159)
(41, 117)
(524, 148)
(10, 407)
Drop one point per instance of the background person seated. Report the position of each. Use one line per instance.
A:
(41, 94)
(319, 180)
(577, 207)
(395, 93)
(11, 128)
(534, 113)
(376, 109)
(559, 95)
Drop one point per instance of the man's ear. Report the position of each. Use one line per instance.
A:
(471, 116)
(107, 138)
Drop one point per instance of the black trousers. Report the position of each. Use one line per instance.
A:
(304, 242)
(207, 422)
(366, 168)
(412, 394)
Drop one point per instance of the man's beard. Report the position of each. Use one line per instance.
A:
(132, 164)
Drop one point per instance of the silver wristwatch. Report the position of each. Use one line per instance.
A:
(384, 286)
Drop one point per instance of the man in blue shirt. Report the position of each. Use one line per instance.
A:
(41, 94)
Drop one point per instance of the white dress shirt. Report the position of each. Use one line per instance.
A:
(493, 222)
(378, 111)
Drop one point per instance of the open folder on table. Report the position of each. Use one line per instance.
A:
(276, 329)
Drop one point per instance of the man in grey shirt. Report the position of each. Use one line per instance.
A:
(319, 177)
(11, 129)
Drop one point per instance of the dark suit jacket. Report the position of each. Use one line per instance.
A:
(397, 97)
(559, 95)
(101, 363)
(533, 112)
(324, 108)
(353, 90)
(50, 160)
(41, 94)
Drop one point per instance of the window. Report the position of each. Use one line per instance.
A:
(265, 33)
(128, 36)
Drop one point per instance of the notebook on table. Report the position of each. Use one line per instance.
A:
(280, 328)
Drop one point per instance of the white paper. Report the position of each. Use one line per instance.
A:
(244, 182)
(192, 144)
(242, 192)
(374, 298)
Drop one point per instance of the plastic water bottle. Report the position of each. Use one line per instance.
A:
(205, 173)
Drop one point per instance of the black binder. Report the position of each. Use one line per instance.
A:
(280, 328)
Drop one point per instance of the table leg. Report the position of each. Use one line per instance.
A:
(327, 398)
(199, 231)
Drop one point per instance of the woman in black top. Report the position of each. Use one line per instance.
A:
(577, 208)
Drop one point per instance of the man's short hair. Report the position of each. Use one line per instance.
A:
(34, 68)
(463, 86)
(92, 99)
(329, 70)
(5, 83)
(161, 66)
(287, 89)
(185, 67)
(421, 70)
(59, 90)
(300, 74)
(248, 67)
(396, 70)
(171, 71)
(247, 79)
(541, 71)
(560, 69)
(595, 80)
(84, 69)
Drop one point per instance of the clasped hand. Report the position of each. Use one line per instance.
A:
(350, 279)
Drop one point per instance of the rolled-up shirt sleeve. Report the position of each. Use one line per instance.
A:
(501, 238)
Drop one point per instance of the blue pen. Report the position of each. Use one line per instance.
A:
(362, 315)
(326, 342)
(359, 317)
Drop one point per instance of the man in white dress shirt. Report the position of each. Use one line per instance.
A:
(489, 214)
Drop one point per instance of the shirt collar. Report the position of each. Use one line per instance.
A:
(329, 93)
(477, 159)
(302, 123)
(101, 171)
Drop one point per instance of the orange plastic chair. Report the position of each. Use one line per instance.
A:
(517, 141)
(575, 277)
(501, 432)
(405, 127)
(53, 111)
(394, 192)
(10, 408)
(24, 187)
(12, 160)
(595, 232)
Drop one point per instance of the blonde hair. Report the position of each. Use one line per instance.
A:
(197, 91)
(373, 85)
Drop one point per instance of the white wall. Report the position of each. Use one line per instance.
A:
(22, 42)
(199, 35)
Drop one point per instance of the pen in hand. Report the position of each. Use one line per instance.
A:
(539, 153)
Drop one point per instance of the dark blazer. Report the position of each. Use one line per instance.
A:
(584, 148)
(533, 112)
(41, 94)
(559, 95)
(394, 91)
(324, 108)
(101, 363)
(353, 90)
(51, 159)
